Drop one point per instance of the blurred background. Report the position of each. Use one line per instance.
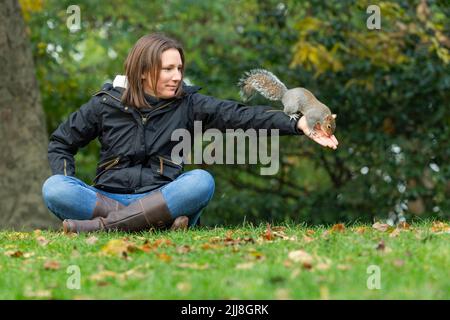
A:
(389, 87)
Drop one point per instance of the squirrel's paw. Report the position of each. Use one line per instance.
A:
(294, 116)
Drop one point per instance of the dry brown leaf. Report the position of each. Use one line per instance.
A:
(42, 241)
(183, 249)
(14, 253)
(257, 255)
(322, 266)
(403, 225)
(361, 230)
(184, 287)
(302, 257)
(307, 239)
(164, 257)
(52, 265)
(245, 265)
(382, 247)
(27, 255)
(310, 232)
(118, 247)
(398, 263)
(103, 275)
(92, 240)
(279, 228)
(30, 293)
(282, 294)
(295, 273)
(343, 267)
(381, 226)
(395, 233)
(209, 246)
(195, 266)
(340, 227)
(268, 235)
(440, 227)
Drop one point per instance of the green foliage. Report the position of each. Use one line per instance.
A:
(389, 87)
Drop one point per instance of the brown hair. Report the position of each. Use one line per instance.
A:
(145, 58)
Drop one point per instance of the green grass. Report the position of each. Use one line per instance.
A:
(229, 263)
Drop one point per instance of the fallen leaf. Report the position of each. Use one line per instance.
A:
(92, 240)
(361, 230)
(382, 247)
(395, 233)
(310, 232)
(245, 265)
(343, 267)
(380, 226)
(209, 246)
(42, 241)
(183, 249)
(29, 293)
(27, 255)
(440, 227)
(118, 247)
(403, 225)
(164, 257)
(103, 275)
(184, 287)
(14, 253)
(268, 235)
(51, 265)
(194, 266)
(295, 273)
(307, 239)
(302, 257)
(282, 294)
(322, 266)
(340, 227)
(399, 263)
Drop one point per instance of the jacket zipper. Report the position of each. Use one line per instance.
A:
(109, 165)
(145, 119)
(109, 162)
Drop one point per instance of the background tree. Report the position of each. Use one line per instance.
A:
(23, 136)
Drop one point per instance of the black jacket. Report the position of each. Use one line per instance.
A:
(136, 147)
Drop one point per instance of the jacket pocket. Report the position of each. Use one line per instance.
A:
(108, 164)
(166, 167)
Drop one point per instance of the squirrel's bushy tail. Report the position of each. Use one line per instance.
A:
(263, 82)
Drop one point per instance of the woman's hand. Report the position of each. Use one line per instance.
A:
(318, 136)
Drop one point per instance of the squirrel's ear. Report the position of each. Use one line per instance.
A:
(334, 115)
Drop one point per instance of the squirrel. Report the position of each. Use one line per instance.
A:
(295, 101)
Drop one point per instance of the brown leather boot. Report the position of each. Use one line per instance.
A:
(148, 212)
(105, 205)
(180, 223)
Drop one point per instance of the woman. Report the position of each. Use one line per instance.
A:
(138, 186)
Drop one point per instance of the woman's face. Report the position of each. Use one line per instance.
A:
(169, 76)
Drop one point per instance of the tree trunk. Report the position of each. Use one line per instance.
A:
(23, 137)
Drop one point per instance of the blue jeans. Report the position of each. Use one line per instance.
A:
(70, 198)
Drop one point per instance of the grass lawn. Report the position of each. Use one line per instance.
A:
(248, 262)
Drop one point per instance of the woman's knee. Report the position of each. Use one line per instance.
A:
(53, 187)
(203, 182)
